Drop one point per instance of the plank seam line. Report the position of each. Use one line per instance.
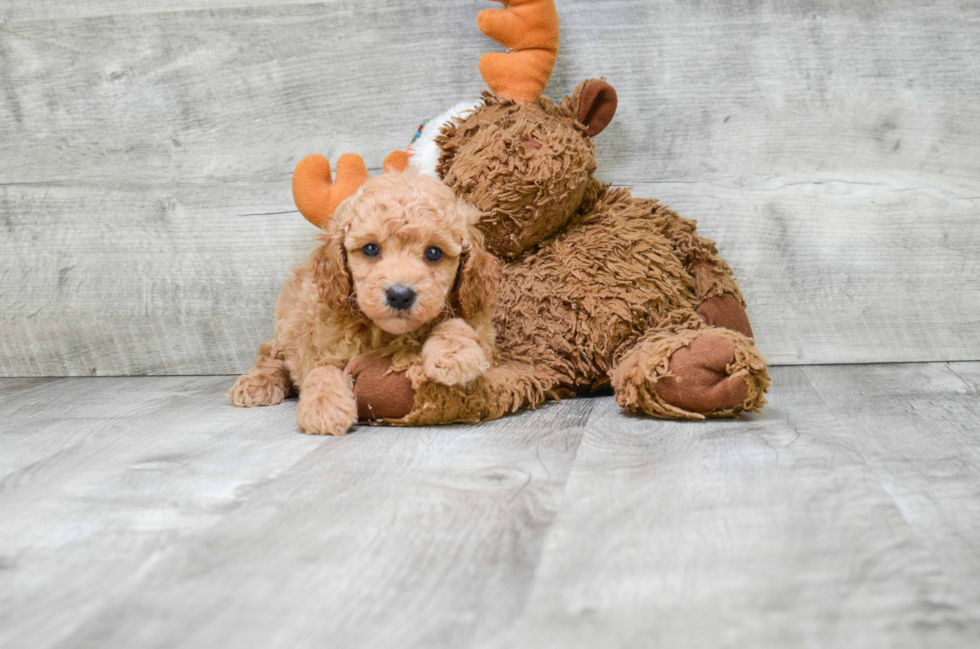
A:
(177, 12)
(235, 374)
(871, 468)
(957, 374)
(516, 620)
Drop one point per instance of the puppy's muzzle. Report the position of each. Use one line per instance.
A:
(400, 297)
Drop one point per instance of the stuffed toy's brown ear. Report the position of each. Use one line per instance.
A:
(596, 105)
(477, 284)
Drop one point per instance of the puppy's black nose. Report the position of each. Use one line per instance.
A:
(400, 297)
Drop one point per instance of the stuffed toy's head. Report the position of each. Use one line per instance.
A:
(523, 160)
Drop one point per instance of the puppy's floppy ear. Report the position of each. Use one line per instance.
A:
(330, 272)
(479, 272)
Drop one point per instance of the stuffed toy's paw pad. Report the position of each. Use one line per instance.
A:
(380, 393)
(699, 380)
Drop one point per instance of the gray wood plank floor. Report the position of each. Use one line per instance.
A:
(148, 512)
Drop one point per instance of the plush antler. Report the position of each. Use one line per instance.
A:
(314, 191)
(529, 31)
(395, 161)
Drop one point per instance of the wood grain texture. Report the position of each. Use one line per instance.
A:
(927, 455)
(387, 537)
(832, 149)
(61, 9)
(770, 532)
(178, 296)
(101, 478)
(148, 512)
(866, 268)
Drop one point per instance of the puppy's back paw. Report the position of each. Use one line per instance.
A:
(252, 390)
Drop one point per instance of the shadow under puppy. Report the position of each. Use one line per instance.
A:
(402, 271)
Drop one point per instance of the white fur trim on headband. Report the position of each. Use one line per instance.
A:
(425, 152)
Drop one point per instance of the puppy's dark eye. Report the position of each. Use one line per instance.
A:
(433, 254)
(371, 250)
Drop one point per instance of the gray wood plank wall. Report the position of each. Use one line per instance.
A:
(831, 148)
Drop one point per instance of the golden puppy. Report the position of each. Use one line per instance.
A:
(402, 271)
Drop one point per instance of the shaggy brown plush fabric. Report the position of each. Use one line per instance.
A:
(598, 288)
(691, 374)
(526, 193)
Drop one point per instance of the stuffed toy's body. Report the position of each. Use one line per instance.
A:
(598, 288)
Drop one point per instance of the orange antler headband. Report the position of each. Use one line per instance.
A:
(317, 196)
(529, 31)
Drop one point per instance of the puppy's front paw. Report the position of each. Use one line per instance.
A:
(326, 418)
(453, 355)
(326, 403)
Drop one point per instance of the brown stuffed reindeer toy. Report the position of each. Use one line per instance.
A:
(598, 288)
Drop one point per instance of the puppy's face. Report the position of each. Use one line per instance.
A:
(404, 237)
(402, 279)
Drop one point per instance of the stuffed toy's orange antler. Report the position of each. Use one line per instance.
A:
(317, 195)
(529, 31)
(314, 191)
(396, 161)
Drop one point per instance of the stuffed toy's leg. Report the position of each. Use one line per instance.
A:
(719, 301)
(266, 384)
(690, 373)
(409, 399)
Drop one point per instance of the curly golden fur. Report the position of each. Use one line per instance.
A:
(337, 306)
